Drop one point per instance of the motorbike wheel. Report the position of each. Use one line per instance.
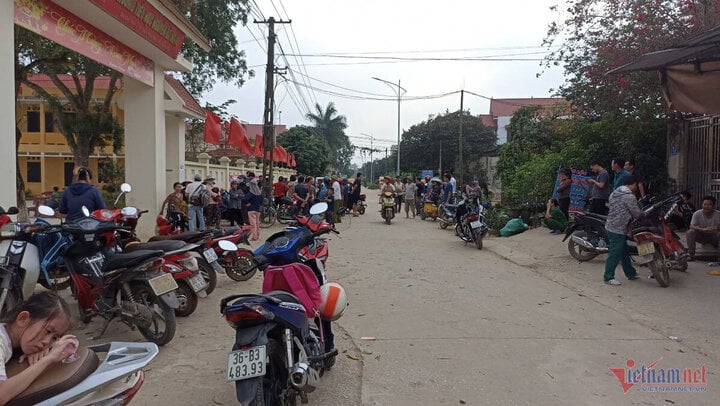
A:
(682, 265)
(163, 325)
(443, 223)
(658, 268)
(477, 236)
(422, 215)
(188, 299)
(234, 271)
(284, 216)
(59, 279)
(275, 387)
(361, 210)
(577, 251)
(269, 215)
(209, 274)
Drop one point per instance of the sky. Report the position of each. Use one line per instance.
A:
(509, 29)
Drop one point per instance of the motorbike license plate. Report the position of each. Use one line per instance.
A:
(475, 224)
(646, 248)
(163, 284)
(4, 261)
(210, 255)
(197, 282)
(245, 364)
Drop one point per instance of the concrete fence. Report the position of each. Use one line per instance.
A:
(224, 171)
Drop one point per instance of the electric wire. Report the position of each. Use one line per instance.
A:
(296, 49)
(408, 58)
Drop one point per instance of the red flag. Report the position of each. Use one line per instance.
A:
(291, 160)
(213, 128)
(283, 155)
(258, 146)
(237, 137)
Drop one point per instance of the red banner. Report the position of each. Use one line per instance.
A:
(53, 22)
(147, 21)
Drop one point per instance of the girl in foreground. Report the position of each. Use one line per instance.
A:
(34, 328)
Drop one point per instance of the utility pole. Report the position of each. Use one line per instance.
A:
(400, 91)
(460, 141)
(268, 120)
(371, 138)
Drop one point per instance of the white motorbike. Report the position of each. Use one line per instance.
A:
(88, 381)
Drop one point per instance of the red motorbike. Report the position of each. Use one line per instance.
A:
(180, 259)
(657, 245)
(219, 250)
(175, 223)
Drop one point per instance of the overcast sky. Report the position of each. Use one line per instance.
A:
(509, 29)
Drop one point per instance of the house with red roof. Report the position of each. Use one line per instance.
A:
(501, 110)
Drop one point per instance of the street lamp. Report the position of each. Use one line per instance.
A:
(371, 138)
(399, 94)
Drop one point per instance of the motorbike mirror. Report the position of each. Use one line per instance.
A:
(46, 211)
(125, 188)
(129, 211)
(226, 245)
(86, 211)
(12, 210)
(318, 208)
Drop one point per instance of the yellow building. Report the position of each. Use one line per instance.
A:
(45, 159)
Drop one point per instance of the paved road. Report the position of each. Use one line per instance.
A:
(434, 322)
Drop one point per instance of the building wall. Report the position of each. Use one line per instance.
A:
(502, 134)
(43, 146)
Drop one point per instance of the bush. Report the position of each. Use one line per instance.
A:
(496, 218)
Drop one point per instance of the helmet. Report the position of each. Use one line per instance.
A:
(334, 301)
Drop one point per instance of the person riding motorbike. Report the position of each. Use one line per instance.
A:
(79, 194)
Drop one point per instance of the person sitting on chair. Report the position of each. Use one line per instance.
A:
(704, 226)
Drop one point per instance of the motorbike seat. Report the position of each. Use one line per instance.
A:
(130, 259)
(165, 246)
(217, 233)
(597, 216)
(188, 236)
(284, 296)
(56, 379)
(652, 229)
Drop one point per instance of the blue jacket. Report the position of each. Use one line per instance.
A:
(254, 201)
(78, 195)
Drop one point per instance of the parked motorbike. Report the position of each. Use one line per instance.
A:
(470, 223)
(5, 215)
(587, 238)
(448, 212)
(286, 210)
(175, 223)
(279, 351)
(88, 381)
(387, 209)
(129, 286)
(362, 204)
(429, 209)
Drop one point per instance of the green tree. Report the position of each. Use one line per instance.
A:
(311, 153)
(421, 143)
(593, 36)
(330, 126)
(216, 20)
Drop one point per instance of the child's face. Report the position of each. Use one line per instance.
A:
(37, 335)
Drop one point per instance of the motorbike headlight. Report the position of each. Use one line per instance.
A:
(9, 230)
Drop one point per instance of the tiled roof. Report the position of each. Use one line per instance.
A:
(189, 101)
(506, 107)
(251, 130)
(487, 120)
(227, 151)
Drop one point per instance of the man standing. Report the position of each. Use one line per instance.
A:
(704, 226)
(630, 167)
(618, 167)
(355, 194)
(399, 194)
(410, 190)
(301, 194)
(280, 189)
(623, 208)
(337, 199)
(601, 190)
(194, 191)
(447, 189)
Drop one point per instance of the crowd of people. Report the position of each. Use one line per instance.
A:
(618, 199)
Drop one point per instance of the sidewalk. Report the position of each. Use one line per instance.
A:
(686, 310)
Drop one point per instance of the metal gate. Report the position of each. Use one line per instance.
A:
(703, 159)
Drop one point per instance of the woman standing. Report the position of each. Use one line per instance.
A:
(174, 200)
(235, 206)
(212, 209)
(253, 201)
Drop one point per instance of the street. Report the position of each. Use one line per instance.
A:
(434, 322)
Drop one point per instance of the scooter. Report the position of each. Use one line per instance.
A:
(279, 351)
(387, 209)
(87, 380)
(429, 209)
(5, 215)
(470, 223)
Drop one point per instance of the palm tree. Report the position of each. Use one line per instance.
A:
(329, 125)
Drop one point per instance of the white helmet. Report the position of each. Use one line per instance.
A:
(334, 301)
